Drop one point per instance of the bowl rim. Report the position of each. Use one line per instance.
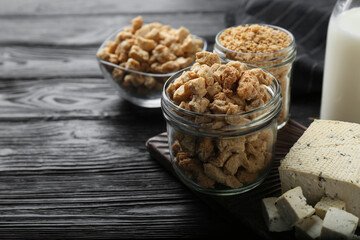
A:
(113, 36)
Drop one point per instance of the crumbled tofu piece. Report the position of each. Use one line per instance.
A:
(325, 203)
(338, 224)
(272, 218)
(309, 228)
(292, 206)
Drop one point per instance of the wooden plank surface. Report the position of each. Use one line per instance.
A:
(61, 98)
(86, 7)
(73, 161)
(93, 30)
(87, 177)
(24, 62)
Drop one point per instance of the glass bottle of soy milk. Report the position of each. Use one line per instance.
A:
(341, 83)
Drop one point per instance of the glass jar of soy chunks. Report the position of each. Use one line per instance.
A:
(221, 124)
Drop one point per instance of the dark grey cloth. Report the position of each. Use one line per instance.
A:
(307, 20)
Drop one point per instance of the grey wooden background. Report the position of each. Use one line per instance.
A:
(73, 161)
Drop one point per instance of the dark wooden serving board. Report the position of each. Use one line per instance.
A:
(244, 208)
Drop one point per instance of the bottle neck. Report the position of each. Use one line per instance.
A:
(344, 5)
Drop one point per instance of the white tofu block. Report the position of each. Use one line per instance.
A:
(338, 224)
(309, 228)
(272, 218)
(325, 161)
(292, 206)
(325, 203)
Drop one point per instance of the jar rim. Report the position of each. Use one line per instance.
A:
(275, 99)
(113, 35)
(285, 49)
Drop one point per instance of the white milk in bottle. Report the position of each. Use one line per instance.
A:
(341, 85)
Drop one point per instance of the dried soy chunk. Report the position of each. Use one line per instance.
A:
(137, 23)
(218, 175)
(118, 74)
(205, 148)
(193, 169)
(138, 54)
(234, 162)
(133, 64)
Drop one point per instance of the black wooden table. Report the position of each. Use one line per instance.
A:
(73, 160)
